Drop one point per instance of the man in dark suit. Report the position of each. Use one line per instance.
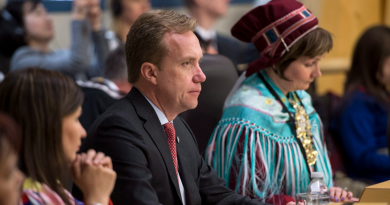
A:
(207, 12)
(154, 152)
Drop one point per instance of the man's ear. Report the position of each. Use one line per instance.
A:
(149, 72)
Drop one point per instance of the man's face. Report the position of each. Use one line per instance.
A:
(179, 78)
(216, 8)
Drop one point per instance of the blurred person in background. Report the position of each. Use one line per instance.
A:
(270, 138)
(206, 13)
(100, 93)
(29, 30)
(361, 118)
(47, 104)
(11, 178)
(124, 13)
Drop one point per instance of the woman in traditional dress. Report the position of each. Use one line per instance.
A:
(270, 137)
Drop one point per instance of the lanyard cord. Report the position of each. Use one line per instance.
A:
(291, 120)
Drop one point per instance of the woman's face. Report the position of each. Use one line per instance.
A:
(11, 178)
(37, 22)
(302, 72)
(131, 9)
(72, 133)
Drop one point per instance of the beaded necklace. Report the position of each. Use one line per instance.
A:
(303, 130)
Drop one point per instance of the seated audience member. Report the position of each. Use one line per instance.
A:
(33, 31)
(11, 178)
(124, 13)
(361, 120)
(205, 46)
(154, 152)
(259, 147)
(206, 13)
(101, 93)
(47, 104)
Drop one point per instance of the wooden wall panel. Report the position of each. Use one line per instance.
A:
(346, 20)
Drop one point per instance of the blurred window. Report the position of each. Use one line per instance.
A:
(174, 3)
(61, 5)
(66, 5)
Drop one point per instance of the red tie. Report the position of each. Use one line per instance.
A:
(170, 131)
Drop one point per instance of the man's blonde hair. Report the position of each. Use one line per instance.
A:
(144, 42)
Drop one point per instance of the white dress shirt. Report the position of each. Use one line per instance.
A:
(163, 119)
(208, 35)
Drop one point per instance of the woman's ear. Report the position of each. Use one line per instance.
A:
(149, 72)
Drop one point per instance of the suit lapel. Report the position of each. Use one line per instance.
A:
(183, 161)
(155, 131)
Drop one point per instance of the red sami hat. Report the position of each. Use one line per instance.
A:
(273, 28)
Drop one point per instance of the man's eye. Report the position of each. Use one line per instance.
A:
(187, 63)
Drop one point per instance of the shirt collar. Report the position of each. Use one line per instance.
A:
(110, 84)
(206, 35)
(161, 116)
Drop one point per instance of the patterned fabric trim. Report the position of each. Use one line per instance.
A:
(36, 193)
(290, 30)
(277, 23)
(262, 164)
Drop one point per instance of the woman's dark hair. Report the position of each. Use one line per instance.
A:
(12, 32)
(10, 136)
(369, 55)
(317, 42)
(38, 100)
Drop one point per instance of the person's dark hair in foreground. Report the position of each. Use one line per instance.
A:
(11, 177)
(46, 104)
(154, 152)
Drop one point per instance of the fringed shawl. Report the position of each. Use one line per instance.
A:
(254, 149)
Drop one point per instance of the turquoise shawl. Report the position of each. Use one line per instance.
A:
(254, 149)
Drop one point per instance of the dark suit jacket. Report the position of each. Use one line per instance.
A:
(96, 101)
(131, 134)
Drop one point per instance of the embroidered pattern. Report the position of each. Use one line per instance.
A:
(253, 148)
